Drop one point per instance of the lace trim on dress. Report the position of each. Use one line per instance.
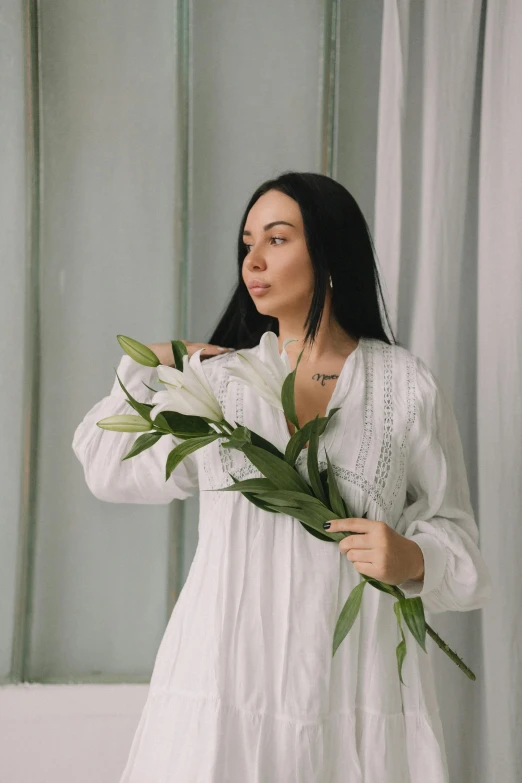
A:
(383, 466)
(410, 381)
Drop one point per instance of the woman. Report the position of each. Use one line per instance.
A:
(244, 686)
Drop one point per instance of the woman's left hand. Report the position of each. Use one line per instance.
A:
(379, 551)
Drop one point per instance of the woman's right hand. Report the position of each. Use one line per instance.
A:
(164, 351)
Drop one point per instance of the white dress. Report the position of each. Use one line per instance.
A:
(244, 687)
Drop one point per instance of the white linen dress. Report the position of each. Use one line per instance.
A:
(244, 687)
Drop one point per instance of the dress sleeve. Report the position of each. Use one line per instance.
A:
(140, 479)
(440, 517)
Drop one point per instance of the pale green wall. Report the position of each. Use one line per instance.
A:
(147, 111)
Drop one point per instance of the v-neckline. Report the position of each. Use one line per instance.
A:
(336, 395)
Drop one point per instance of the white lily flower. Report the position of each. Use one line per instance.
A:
(188, 391)
(265, 376)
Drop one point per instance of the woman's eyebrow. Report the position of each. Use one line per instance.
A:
(271, 225)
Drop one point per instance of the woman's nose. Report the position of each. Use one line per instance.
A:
(256, 259)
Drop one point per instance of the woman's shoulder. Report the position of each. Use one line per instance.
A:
(399, 361)
(216, 366)
(389, 355)
(221, 360)
(218, 358)
(402, 357)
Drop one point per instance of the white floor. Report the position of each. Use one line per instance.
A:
(66, 733)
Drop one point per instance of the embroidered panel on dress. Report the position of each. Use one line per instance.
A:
(208, 452)
(228, 458)
(410, 420)
(234, 460)
(368, 411)
(377, 489)
(384, 463)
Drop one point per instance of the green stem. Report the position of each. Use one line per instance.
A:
(438, 641)
(221, 427)
(449, 652)
(225, 424)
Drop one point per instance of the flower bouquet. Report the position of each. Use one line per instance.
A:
(189, 410)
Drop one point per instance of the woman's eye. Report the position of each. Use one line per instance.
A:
(247, 247)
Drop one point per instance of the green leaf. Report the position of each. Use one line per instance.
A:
(288, 396)
(303, 512)
(249, 485)
(160, 423)
(184, 426)
(307, 509)
(290, 496)
(312, 464)
(257, 501)
(314, 532)
(348, 614)
(182, 450)
(145, 441)
(279, 502)
(311, 508)
(277, 470)
(331, 413)
(324, 482)
(262, 443)
(335, 500)
(385, 588)
(240, 437)
(305, 516)
(142, 407)
(297, 443)
(124, 422)
(249, 495)
(141, 354)
(301, 436)
(284, 501)
(179, 350)
(400, 650)
(413, 612)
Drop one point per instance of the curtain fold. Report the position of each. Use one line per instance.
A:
(499, 380)
(448, 234)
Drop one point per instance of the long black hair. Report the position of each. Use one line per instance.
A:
(339, 244)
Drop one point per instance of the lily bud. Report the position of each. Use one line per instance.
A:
(126, 422)
(137, 351)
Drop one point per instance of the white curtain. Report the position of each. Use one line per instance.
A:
(448, 223)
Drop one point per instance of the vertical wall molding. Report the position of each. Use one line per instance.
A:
(182, 198)
(31, 331)
(330, 81)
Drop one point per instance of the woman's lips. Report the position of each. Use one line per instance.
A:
(258, 290)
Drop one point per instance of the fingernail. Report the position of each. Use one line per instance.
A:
(326, 525)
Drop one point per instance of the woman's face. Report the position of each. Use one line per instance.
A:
(277, 256)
